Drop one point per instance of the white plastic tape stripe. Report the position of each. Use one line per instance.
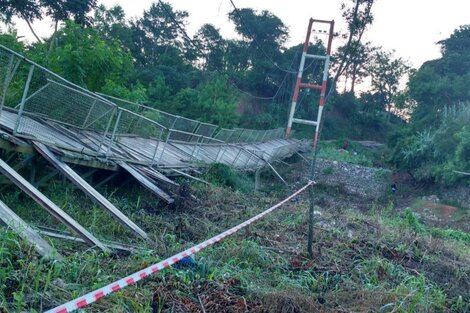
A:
(94, 296)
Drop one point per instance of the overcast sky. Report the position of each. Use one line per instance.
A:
(410, 27)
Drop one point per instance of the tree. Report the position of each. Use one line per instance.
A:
(28, 10)
(212, 46)
(58, 10)
(63, 10)
(443, 81)
(86, 59)
(356, 69)
(358, 18)
(265, 30)
(437, 140)
(263, 36)
(217, 102)
(386, 74)
(156, 31)
(112, 25)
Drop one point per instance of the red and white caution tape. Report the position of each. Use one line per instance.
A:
(94, 296)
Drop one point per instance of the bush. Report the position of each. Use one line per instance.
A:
(224, 176)
(433, 155)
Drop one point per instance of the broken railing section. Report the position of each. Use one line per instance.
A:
(27, 233)
(146, 182)
(88, 189)
(48, 205)
(186, 125)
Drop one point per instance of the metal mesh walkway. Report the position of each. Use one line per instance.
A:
(39, 105)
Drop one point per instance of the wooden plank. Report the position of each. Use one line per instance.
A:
(146, 182)
(27, 233)
(48, 205)
(87, 188)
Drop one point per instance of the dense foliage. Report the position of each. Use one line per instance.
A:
(248, 81)
(436, 143)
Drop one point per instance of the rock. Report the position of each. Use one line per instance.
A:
(59, 283)
(432, 198)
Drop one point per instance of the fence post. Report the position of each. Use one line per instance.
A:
(89, 113)
(164, 147)
(107, 130)
(156, 147)
(196, 148)
(113, 134)
(25, 94)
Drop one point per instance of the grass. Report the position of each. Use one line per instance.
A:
(373, 261)
(355, 153)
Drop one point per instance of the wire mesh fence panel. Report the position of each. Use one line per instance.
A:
(57, 102)
(133, 124)
(130, 128)
(208, 153)
(246, 135)
(257, 160)
(224, 134)
(38, 96)
(178, 135)
(205, 129)
(258, 135)
(236, 135)
(13, 76)
(163, 118)
(241, 158)
(185, 124)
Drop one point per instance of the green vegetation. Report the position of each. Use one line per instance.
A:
(151, 60)
(437, 140)
(400, 269)
(350, 152)
(224, 176)
(380, 259)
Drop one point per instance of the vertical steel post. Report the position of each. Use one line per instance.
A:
(25, 94)
(89, 113)
(230, 136)
(103, 138)
(249, 135)
(164, 147)
(264, 135)
(196, 146)
(118, 119)
(311, 212)
(194, 131)
(236, 158)
(156, 147)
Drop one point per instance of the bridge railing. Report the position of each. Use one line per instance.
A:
(33, 92)
(184, 124)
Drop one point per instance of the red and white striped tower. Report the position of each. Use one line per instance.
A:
(299, 84)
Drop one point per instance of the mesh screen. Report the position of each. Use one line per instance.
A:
(59, 103)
